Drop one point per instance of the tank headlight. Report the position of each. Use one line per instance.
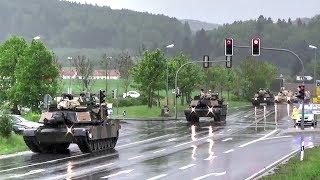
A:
(90, 135)
(255, 98)
(265, 99)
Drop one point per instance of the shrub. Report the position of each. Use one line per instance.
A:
(126, 102)
(6, 125)
(32, 116)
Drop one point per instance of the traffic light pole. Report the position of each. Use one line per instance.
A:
(176, 80)
(303, 72)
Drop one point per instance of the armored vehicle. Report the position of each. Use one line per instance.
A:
(263, 97)
(73, 120)
(285, 96)
(208, 105)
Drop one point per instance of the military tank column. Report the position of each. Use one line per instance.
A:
(81, 120)
(263, 97)
(206, 105)
(285, 96)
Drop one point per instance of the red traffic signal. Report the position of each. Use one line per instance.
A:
(255, 44)
(206, 60)
(228, 47)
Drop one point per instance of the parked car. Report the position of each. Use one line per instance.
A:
(20, 124)
(132, 94)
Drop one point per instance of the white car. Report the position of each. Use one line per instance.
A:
(132, 94)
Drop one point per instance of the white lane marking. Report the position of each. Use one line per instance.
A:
(229, 130)
(172, 139)
(15, 154)
(186, 167)
(159, 151)
(256, 140)
(228, 139)
(210, 157)
(118, 173)
(229, 151)
(158, 177)
(211, 174)
(271, 165)
(152, 139)
(46, 162)
(136, 157)
(28, 173)
(103, 166)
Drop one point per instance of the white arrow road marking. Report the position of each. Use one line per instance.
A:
(28, 173)
(229, 151)
(118, 173)
(228, 139)
(136, 157)
(186, 167)
(257, 140)
(158, 177)
(211, 174)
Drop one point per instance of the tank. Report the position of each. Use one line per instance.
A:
(263, 97)
(73, 120)
(285, 96)
(206, 106)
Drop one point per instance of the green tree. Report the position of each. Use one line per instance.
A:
(257, 74)
(11, 52)
(190, 76)
(125, 64)
(84, 69)
(149, 74)
(36, 75)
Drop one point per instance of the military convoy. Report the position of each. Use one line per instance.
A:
(79, 120)
(285, 96)
(263, 97)
(206, 105)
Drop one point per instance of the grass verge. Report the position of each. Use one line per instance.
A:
(12, 144)
(32, 116)
(295, 169)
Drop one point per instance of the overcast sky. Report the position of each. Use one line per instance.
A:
(218, 11)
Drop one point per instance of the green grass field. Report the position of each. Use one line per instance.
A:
(13, 144)
(296, 170)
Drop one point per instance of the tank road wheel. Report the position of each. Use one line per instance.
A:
(32, 143)
(84, 145)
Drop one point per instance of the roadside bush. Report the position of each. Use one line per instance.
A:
(6, 125)
(32, 116)
(126, 102)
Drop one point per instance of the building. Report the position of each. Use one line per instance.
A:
(71, 73)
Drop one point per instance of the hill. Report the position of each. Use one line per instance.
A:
(63, 24)
(196, 25)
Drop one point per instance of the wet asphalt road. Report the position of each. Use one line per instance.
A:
(173, 150)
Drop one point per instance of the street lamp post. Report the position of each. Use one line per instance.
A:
(167, 75)
(315, 60)
(69, 89)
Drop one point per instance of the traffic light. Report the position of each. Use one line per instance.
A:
(301, 92)
(113, 94)
(228, 47)
(102, 96)
(206, 60)
(255, 44)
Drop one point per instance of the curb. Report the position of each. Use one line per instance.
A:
(165, 118)
(5, 156)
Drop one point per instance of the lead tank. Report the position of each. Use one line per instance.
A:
(206, 106)
(73, 120)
